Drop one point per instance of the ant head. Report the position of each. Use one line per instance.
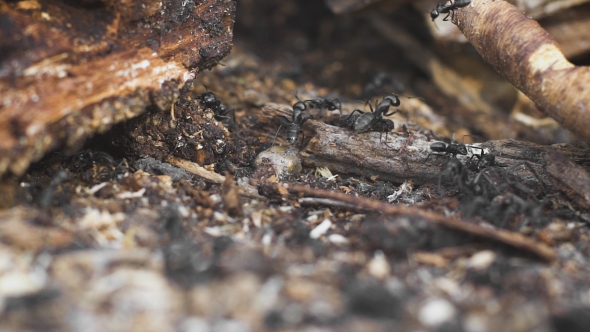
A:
(335, 105)
(434, 13)
(299, 106)
(461, 149)
(209, 98)
(392, 99)
(488, 159)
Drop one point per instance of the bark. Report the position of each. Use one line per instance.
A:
(371, 155)
(69, 70)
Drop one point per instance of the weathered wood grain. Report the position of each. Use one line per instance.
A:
(370, 154)
(70, 69)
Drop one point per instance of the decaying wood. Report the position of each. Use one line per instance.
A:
(525, 54)
(370, 154)
(516, 240)
(70, 70)
(574, 180)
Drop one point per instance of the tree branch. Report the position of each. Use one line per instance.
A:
(525, 54)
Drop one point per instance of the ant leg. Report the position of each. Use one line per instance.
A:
(302, 140)
(392, 113)
(447, 17)
(304, 119)
(233, 112)
(349, 115)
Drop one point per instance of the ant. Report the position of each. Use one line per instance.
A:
(452, 148)
(210, 100)
(367, 120)
(293, 126)
(448, 9)
(324, 103)
(484, 160)
(461, 179)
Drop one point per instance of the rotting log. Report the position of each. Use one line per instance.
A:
(371, 155)
(71, 69)
(525, 54)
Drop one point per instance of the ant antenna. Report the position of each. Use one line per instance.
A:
(411, 97)
(435, 25)
(273, 141)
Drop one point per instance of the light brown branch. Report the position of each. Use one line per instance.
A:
(196, 169)
(526, 55)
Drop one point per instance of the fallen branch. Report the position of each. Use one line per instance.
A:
(373, 154)
(515, 240)
(525, 54)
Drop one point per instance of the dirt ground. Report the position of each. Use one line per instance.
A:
(116, 238)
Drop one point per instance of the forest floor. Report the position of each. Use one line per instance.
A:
(342, 231)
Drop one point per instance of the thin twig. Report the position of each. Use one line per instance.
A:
(196, 169)
(327, 202)
(510, 238)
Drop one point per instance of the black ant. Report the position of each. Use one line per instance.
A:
(210, 100)
(483, 160)
(448, 9)
(442, 148)
(366, 120)
(324, 103)
(293, 126)
(461, 179)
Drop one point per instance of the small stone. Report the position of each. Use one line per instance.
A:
(482, 260)
(320, 229)
(285, 160)
(436, 312)
(378, 267)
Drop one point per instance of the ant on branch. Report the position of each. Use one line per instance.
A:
(366, 120)
(293, 126)
(210, 100)
(451, 148)
(484, 159)
(448, 9)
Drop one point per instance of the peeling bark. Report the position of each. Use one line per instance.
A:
(69, 70)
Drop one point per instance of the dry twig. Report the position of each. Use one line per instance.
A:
(510, 238)
(196, 169)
